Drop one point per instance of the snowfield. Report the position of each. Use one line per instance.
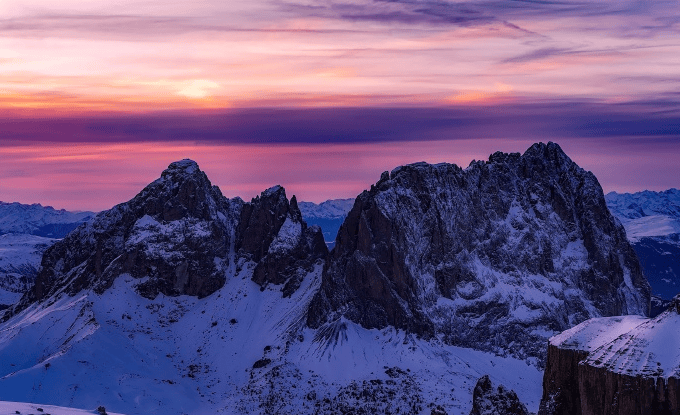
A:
(240, 350)
(12, 408)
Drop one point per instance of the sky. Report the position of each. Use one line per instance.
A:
(321, 96)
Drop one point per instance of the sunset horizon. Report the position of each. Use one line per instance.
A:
(322, 96)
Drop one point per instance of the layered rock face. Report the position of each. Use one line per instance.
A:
(489, 400)
(615, 366)
(180, 235)
(498, 256)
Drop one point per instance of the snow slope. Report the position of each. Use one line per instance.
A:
(12, 408)
(188, 355)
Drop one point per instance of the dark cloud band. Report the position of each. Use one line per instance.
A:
(540, 120)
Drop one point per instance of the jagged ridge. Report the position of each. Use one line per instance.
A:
(498, 256)
(180, 235)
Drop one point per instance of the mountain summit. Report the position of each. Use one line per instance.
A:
(496, 257)
(178, 236)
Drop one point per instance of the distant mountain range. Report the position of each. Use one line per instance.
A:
(652, 222)
(329, 215)
(26, 231)
(39, 220)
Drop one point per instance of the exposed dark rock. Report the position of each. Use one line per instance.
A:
(287, 248)
(560, 382)
(261, 363)
(494, 257)
(487, 400)
(178, 236)
(607, 393)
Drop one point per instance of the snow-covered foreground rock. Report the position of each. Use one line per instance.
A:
(20, 256)
(615, 365)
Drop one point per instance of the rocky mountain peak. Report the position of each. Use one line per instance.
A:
(181, 236)
(183, 190)
(273, 234)
(185, 166)
(495, 257)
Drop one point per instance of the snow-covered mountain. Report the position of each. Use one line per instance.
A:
(39, 220)
(497, 257)
(652, 222)
(20, 256)
(328, 215)
(647, 213)
(183, 301)
(330, 209)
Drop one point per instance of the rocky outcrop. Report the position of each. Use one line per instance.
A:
(178, 236)
(487, 400)
(615, 366)
(272, 234)
(496, 257)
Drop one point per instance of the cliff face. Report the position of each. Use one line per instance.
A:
(561, 395)
(615, 366)
(179, 236)
(608, 393)
(494, 257)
